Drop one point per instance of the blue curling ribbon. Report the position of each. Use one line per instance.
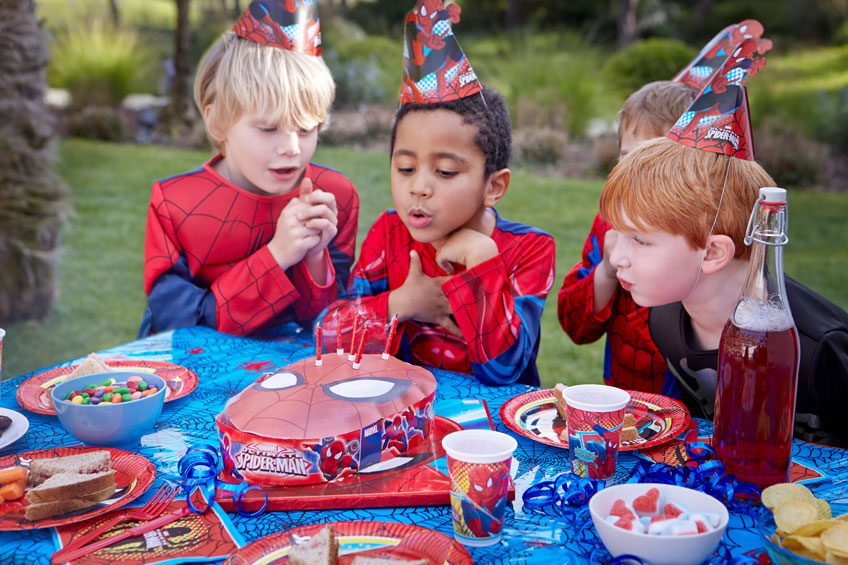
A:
(199, 468)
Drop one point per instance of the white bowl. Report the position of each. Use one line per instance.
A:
(690, 549)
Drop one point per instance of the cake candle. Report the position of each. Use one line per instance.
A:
(390, 340)
(339, 344)
(359, 350)
(351, 355)
(318, 347)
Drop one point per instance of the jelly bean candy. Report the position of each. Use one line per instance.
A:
(142, 385)
(77, 400)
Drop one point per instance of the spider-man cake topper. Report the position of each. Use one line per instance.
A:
(707, 63)
(287, 24)
(718, 120)
(435, 67)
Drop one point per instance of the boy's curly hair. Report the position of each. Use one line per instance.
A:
(487, 112)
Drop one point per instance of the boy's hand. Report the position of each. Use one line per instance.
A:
(422, 299)
(466, 247)
(320, 214)
(292, 238)
(605, 268)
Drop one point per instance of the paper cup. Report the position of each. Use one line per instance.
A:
(594, 417)
(2, 335)
(478, 465)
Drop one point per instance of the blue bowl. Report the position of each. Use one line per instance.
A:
(108, 424)
(778, 555)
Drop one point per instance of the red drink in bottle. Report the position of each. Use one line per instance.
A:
(753, 435)
(758, 358)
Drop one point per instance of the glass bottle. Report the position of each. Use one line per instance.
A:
(758, 358)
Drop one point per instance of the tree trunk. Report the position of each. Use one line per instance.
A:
(179, 115)
(513, 14)
(34, 203)
(626, 22)
(116, 15)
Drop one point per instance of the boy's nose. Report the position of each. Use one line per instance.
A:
(420, 187)
(288, 144)
(618, 257)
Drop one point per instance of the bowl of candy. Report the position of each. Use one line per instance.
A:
(796, 528)
(660, 524)
(109, 409)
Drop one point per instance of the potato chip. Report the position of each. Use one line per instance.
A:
(824, 509)
(775, 494)
(835, 539)
(814, 528)
(834, 559)
(791, 514)
(841, 517)
(813, 544)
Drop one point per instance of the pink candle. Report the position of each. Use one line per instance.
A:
(318, 361)
(390, 340)
(350, 356)
(339, 344)
(359, 350)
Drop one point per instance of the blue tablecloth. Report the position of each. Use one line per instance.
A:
(226, 364)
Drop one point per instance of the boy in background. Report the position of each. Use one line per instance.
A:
(258, 235)
(468, 286)
(591, 302)
(681, 206)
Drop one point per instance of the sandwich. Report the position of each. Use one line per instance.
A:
(628, 429)
(90, 365)
(321, 549)
(560, 401)
(63, 484)
(85, 464)
(359, 560)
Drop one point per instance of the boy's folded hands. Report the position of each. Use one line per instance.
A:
(422, 299)
(305, 227)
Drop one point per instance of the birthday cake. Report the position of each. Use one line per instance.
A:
(318, 421)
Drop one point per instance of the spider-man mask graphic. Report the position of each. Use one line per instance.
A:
(283, 427)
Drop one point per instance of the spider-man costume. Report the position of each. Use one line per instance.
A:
(207, 262)
(497, 304)
(485, 500)
(632, 360)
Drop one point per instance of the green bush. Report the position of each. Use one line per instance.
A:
(100, 64)
(97, 123)
(791, 158)
(646, 61)
(367, 68)
(549, 80)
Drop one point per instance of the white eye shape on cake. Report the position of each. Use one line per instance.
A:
(367, 389)
(281, 381)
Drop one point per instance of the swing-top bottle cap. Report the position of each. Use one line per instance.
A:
(773, 194)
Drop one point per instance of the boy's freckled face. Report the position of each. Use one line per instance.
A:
(656, 267)
(437, 176)
(263, 158)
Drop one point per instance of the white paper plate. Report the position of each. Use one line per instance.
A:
(17, 429)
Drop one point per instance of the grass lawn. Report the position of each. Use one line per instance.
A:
(101, 297)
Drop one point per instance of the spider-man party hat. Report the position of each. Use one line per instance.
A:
(718, 119)
(287, 24)
(703, 67)
(435, 67)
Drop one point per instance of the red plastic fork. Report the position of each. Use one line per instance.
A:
(154, 507)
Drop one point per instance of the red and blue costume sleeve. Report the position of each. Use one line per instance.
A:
(207, 261)
(631, 359)
(497, 304)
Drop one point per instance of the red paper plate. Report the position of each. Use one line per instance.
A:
(34, 393)
(534, 415)
(133, 474)
(371, 539)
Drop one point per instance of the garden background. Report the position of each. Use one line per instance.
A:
(564, 67)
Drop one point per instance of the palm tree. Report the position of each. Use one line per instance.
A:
(34, 203)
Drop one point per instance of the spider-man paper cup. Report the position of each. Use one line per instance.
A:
(478, 465)
(594, 417)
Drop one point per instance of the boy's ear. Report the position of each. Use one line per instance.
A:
(498, 183)
(214, 132)
(718, 253)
